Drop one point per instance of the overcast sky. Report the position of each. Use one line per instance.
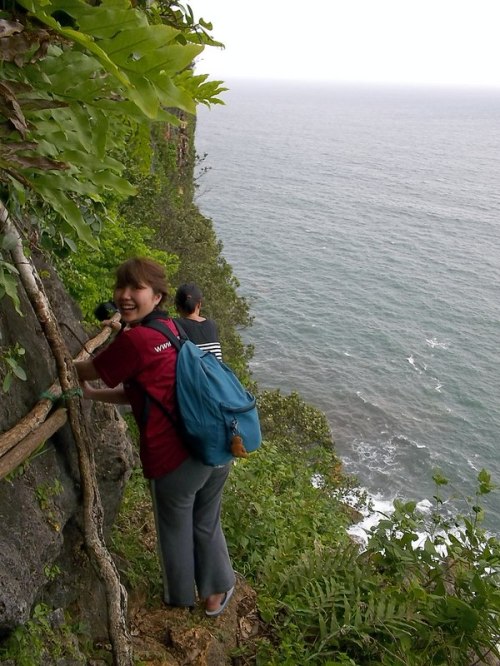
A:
(438, 42)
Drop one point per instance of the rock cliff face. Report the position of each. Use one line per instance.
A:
(42, 555)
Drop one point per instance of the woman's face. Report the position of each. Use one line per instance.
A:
(134, 303)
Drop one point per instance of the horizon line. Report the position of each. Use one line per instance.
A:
(359, 82)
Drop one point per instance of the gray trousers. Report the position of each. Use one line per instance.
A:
(191, 544)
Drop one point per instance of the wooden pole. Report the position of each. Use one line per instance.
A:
(25, 447)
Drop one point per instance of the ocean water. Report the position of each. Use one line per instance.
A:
(364, 226)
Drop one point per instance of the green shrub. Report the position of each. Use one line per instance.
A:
(448, 581)
(41, 641)
(133, 539)
(90, 277)
(285, 520)
(403, 600)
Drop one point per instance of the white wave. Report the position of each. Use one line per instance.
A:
(380, 508)
(419, 367)
(433, 342)
(413, 363)
(358, 393)
(396, 440)
(472, 465)
(424, 506)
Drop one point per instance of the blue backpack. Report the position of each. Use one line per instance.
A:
(218, 416)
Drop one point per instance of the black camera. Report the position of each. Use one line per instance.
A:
(105, 310)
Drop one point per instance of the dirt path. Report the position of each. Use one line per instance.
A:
(179, 637)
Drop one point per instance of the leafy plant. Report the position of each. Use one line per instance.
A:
(8, 274)
(52, 571)
(10, 358)
(90, 278)
(39, 642)
(283, 527)
(445, 573)
(181, 16)
(405, 600)
(73, 75)
(134, 539)
(45, 494)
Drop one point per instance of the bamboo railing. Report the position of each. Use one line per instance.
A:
(18, 443)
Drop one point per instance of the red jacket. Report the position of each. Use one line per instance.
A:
(144, 355)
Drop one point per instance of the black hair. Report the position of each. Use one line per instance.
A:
(187, 297)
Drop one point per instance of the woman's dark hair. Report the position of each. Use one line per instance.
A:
(140, 271)
(187, 297)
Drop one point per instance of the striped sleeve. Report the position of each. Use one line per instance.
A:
(213, 347)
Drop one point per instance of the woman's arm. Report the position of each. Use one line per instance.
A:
(116, 395)
(86, 372)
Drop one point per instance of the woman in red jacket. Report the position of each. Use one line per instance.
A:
(186, 493)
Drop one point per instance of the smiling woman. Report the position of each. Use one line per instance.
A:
(141, 287)
(186, 493)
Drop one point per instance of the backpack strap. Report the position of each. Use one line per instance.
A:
(167, 332)
(154, 320)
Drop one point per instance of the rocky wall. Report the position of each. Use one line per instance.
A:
(42, 555)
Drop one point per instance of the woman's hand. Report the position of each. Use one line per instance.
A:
(88, 391)
(114, 323)
(114, 396)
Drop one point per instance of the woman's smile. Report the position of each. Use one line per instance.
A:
(135, 303)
